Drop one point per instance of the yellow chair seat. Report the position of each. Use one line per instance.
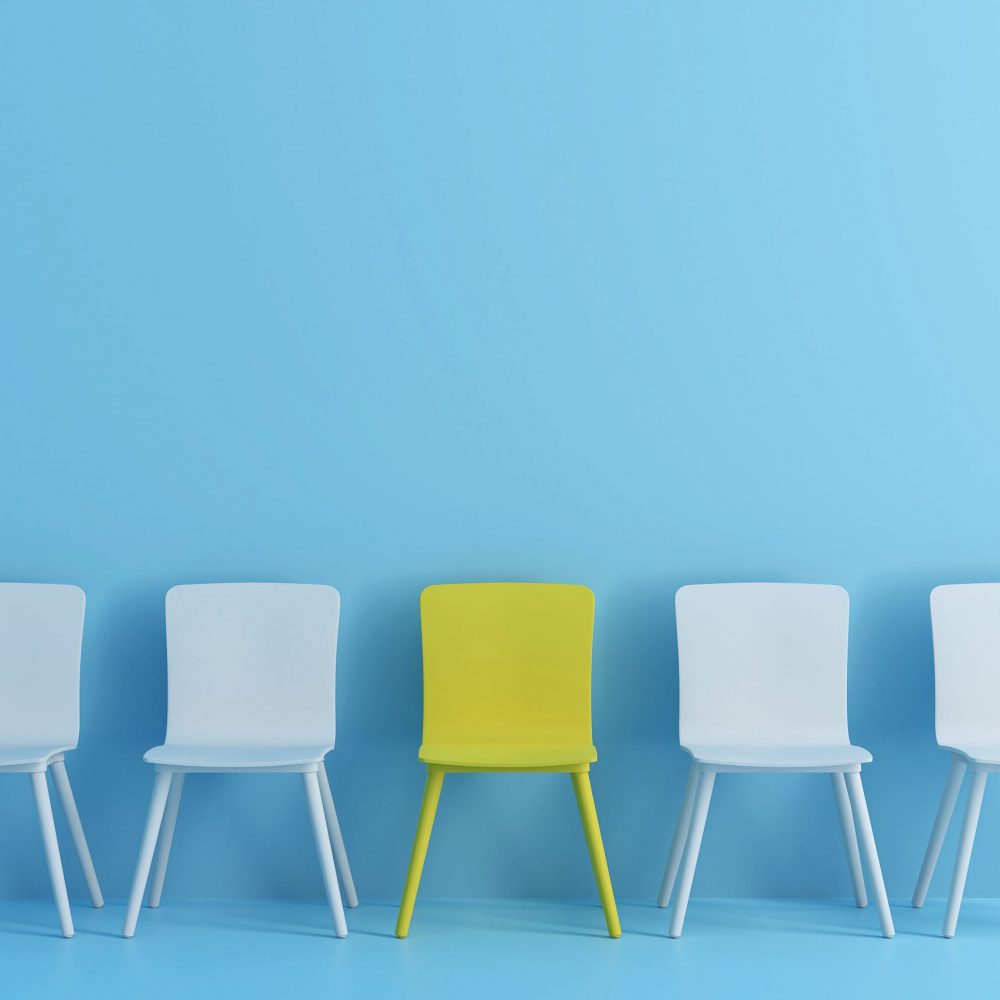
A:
(506, 756)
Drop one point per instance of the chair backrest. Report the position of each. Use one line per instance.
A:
(41, 633)
(763, 664)
(507, 664)
(251, 663)
(965, 621)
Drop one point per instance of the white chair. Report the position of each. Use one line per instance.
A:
(965, 620)
(763, 687)
(41, 631)
(250, 687)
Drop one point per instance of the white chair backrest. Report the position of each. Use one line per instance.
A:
(41, 633)
(965, 621)
(251, 663)
(763, 664)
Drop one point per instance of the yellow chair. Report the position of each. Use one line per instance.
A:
(507, 688)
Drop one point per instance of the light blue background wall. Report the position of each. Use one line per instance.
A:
(387, 294)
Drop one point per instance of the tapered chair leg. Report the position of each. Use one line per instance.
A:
(941, 824)
(65, 792)
(595, 847)
(432, 794)
(850, 838)
(337, 839)
(680, 838)
(322, 835)
(157, 803)
(968, 835)
(689, 862)
(867, 837)
(48, 827)
(166, 838)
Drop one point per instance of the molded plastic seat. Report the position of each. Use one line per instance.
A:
(781, 758)
(965, 620)
(22, 756)
(507, 688)
(251, 681)
(235, 757)
(514, 757)
(763, 687)
(41, 633)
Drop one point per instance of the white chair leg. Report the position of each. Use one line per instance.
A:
(166, 837)
(322, 835)
(850, 838)
(941, 823)
(157, 803)
(337, 838)
(860, 807)
(680, 838)
(45, 820)
(65, 792)
(699, 814)
(969, 823)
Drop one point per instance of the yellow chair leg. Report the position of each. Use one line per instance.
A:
(432, 793)
(588, 816)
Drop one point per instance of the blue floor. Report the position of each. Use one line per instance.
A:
(730, 948)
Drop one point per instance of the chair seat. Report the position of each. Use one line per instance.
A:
(501, 756)
(227, 756)
(16, 755)
(980, 753)
(778, 758)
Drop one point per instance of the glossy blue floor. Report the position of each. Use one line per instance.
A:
(490, 948)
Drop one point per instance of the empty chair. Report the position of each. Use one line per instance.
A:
(763, 687)
(41, 631)
(250, 687)
(507, 688)
(965, 620)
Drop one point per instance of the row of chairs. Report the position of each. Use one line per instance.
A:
(507, 687)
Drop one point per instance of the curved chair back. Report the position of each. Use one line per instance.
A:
(251, 663)
(41, 633)
(507, 663)
(965, 620)
(762, 664)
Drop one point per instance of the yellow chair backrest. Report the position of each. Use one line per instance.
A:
(507, 663)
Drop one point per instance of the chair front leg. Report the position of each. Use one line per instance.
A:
(973, 805)
(157, 803)
(699, 815)
(428, 808)
(867, 838)
(48, 827)
(595, 847)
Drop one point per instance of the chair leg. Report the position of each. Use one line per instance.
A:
(864, 822)
(65, 792)
(432, 794)
(680, 838)
(689, 862)
(166, 838)
(850, 837)
(595, 847)
(971, 820)
(337, 838)
(157, 803)
(322, 834)
(45, 820)
(941, 824)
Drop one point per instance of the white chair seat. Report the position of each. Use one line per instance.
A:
(225, 756)
(978, 753)
(779, 758)
(19, 755)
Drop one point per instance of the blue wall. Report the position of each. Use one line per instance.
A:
(631, 295)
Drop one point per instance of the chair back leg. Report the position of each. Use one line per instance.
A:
(595, 847)
(48, 827)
